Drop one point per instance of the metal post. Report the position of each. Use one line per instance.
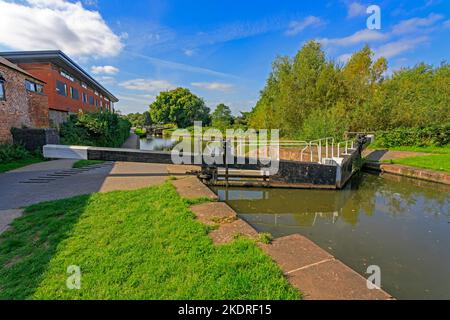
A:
(319, 151)
(226, 163)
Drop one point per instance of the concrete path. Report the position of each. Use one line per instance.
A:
(7, 216)
(386, 155)
(317, 274)
(133, 142)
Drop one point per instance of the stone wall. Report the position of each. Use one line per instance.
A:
(34, 139)
(57, 117)
(21, 108)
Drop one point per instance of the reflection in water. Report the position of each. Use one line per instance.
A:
(156, 144)
(385, 221)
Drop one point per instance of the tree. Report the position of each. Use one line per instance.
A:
(309, 97)
(179, 106)
(221, 117)
(147, 119)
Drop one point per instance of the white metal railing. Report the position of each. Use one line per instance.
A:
(326, 148)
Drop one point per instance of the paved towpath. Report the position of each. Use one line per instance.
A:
(53, 180)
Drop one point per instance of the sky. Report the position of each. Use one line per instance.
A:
(221, 50)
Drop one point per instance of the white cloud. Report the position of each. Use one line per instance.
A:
(415, 24)
(106, 80)
(295, 27)
(361, 36)
(160, 63)
(447, 24)
(189, 52)
(214, 86)
(344, 58)
(134, 102)
(104, 70)
(56, 24)
(147, 85)
(395, 48)
(355, 9)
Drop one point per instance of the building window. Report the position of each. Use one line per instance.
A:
(91, 100)
(2, 89)
(85, 98)
(74, 93)
(61, 88)
(34, 87)
(66, 75)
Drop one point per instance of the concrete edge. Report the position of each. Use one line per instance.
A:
(410, 172)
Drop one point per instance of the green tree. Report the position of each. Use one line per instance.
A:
(147, 119)
(179, 106)
(221, 117)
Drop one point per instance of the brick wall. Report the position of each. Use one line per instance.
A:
(21, 108)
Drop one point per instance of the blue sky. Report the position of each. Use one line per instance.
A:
(221, 50)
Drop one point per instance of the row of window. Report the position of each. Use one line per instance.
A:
(61, 89)
(2, 89)
(29, 85)
(34, 87)
(68, 76)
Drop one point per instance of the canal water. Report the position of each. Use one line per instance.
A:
(399, 224)
(156, 144)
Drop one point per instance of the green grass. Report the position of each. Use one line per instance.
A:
(142, 244)
(439, 159)
(85, 163)
(16, 164)
(434, 162)
(437, 150)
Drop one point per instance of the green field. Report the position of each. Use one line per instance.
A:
(16, 164)
(142, 244)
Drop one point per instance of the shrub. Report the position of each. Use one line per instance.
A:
(9, 152)
(141, 132)
(438, 135)
(101, 129)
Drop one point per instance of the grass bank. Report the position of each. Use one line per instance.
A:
(438, 159)
(439, 162)
(15, 156)
(16, 164)
(86, 163)
(142, 244)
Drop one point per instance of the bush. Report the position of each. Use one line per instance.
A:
(9, 152)
(141, 132)
(438, 135)
(100, 129)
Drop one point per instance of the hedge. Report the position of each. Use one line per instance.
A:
(438, 135)
(100, 129)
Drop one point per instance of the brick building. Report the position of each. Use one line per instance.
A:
(69, 88)
(22, 100)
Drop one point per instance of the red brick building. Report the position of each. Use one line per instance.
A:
(23, 102)
(69, 88)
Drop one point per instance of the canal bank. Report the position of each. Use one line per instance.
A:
(395, 223)
(317, 274)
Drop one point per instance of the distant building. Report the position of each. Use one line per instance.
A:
(23, 102)
(69, 88)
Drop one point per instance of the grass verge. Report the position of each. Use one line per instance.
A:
(439, 162)
(142, 244)
(16, 164)
(85, 163)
